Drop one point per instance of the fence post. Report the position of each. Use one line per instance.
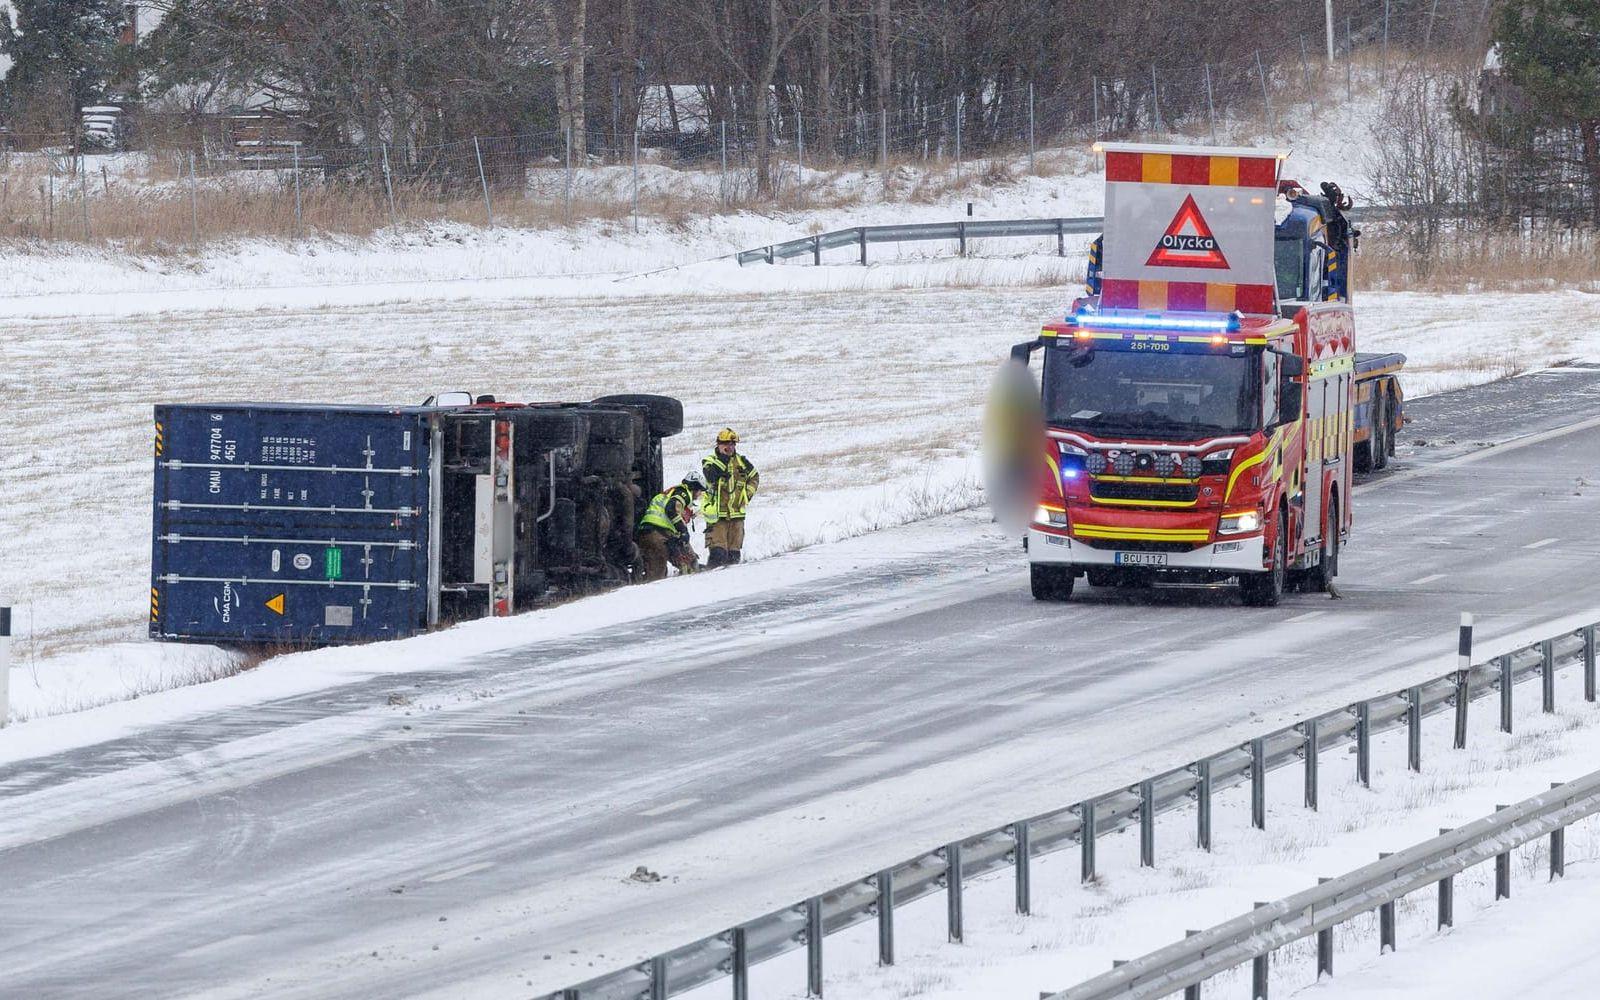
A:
(388, 187)
(1094, 93)
(1305, 63)
(1364, 744)
(883, 138)
(1312, 749)
(1147, 824)
(1327, 27)
(723, 183)
(483, 179)
(1211, 108)
(1505, 693)
(1266, 97)
(814, 946)
(1203, 804)
(1349, 55)
(952, 890)
(636, 180)
(5, 665)
(1031, 148)
(961, 105)
(741, 965)
(1155, 97)
(298, 222)
(569, 173)
(1383, 70)
(1022, 850)
(1258, 783)
(886, 917)
(1414, 729)
(83, 192)
(1588, 663)
(1547, 674)
(800, 143)
(194, 209)
(1086, 838)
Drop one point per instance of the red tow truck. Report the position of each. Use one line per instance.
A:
(1200, 405)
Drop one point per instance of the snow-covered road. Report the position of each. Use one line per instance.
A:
(447, 840)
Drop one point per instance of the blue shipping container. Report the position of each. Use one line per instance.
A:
(291, 524)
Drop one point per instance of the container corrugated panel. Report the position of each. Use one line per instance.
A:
(289, 524)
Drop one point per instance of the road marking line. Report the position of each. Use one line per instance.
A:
(855, 748)
(1493, 451)
(1305, 617)
(669, 807)
(1541, 543)
(458, 872)
(1426, 579)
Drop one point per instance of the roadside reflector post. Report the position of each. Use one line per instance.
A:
(1558, 847)
(1463, 697)
(1086, 838)
(1588, 662)
(1505, 693)
(1311, 750)
(1364, 744)
(741, 965)
(1147, 824)
(5, 665)
(814, 946)
(1021, 850)
(1258, 783)
(885, 880)
(1414, 729)
(1547, 674)
(952, 888)
(1258, 973)
(1202, 791)
(1502, 870)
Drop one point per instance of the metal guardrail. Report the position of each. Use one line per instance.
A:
(1013, 845)
(962, 231)
(1378, 886)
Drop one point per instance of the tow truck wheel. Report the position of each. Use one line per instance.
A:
(1328, 568)
(1050, 583)
(1380, 433)
(1265, 590)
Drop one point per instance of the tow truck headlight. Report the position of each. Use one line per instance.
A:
(1046, 515)
(1239, 523)
(1217, 462)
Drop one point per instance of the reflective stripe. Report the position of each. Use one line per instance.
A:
(1143, 534)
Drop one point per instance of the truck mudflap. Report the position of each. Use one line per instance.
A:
(1225, 556)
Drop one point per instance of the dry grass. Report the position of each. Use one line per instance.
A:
(1493, 261)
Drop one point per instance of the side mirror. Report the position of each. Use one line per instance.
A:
(1290, 394)
(1020, 352)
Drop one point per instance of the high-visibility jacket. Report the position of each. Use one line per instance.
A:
(729, 486)
(669, 511)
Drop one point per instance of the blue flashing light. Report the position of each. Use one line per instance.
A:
(1069, 473)
(1197, 322)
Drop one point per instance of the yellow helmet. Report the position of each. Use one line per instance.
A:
(727, 436)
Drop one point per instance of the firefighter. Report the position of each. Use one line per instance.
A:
(663, 534)
(731, 480)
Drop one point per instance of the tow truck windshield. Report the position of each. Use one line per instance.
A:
(1128, 389)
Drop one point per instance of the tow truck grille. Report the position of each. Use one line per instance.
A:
(1166, 492)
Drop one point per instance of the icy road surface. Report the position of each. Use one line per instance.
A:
(335, 845)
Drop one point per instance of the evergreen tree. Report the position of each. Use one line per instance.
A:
(63, 54)
(1550, 52)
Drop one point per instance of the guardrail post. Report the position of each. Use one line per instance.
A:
(1386, 927)
(952, 890)
(861, 233)
(1061, 251)
(961, 239)
(1588, 663)
(1021, 851)
(1324, 949)
(814, 946)
(1364, 744)
(886, 917)
(1463, 698)
(1147, 824)
(1504, 663)
(1192, 991)
(1447, 901)
(1311, 749)
(1558, 848)
(741, 965)
(816, 251)
(1203, 804)
(658, 978)
(1086, 838)
(1414, 729)
(1258, 973)
(1502, 870)
(5, 665)
(1258, 784)
(1547, 674)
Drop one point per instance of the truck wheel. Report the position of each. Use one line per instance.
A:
(1050, 583)
(1328, 568)
(1380, 432)
(1265, 590)
(665, 412)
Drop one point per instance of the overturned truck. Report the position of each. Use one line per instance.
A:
(306, 525)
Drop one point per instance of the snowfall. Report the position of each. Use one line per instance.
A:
(858, 392)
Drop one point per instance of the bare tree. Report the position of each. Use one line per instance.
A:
(567, 22)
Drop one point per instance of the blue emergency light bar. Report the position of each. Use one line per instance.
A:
(1197, 322)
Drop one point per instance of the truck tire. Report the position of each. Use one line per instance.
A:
(665, 412)
(1265, 590)
(1379, 439)
(1328, 568)
(1050, 583)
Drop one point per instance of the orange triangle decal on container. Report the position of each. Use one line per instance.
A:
(276, 604)
(1188, 242)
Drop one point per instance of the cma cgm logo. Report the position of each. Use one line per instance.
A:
(227, 602)
(1188, 241)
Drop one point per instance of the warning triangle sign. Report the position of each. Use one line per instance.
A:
(276, 604)
(1188, 241)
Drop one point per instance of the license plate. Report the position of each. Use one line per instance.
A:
(1141, 558)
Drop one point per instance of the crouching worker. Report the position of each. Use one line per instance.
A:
(663, 534)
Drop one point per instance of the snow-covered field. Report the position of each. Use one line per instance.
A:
(1077, 930)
